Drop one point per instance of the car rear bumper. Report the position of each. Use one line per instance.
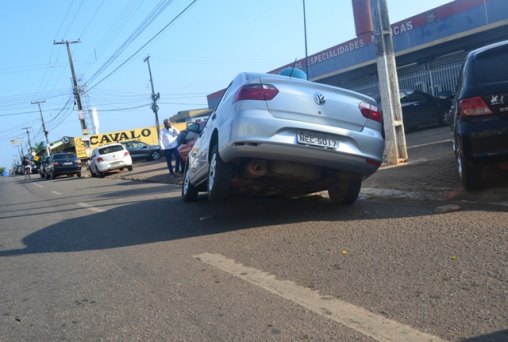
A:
(105, 167)
(66, 171)
(484, 144)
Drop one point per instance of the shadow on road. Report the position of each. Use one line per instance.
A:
(142, 222)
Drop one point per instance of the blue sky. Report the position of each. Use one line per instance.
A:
(197, 54)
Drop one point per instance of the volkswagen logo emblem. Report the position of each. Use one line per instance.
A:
(319, 98)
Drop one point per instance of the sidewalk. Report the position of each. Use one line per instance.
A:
(430, 173)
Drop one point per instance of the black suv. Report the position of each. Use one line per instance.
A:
(62, 164)
(479, 114)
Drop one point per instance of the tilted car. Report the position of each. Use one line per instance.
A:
(141, 150)
(109, 158)
(480, 114)
(60, 164)
(187, 138)
(277, 135)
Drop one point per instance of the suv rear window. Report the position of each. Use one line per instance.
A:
(111, 149)
(64, 156)
(490, 67)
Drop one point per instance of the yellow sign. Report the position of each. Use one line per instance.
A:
(36, 158)
(147, 135)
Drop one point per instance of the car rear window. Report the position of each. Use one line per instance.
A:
(490, 67)
(111, 149)
(64, 156)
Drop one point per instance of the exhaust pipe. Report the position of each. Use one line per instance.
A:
(256, 169)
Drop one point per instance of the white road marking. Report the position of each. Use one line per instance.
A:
(38, 185)
(363, 321)
(431, 143)
(56, 193)
(89, 207)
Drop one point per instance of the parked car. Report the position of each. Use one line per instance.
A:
(187, 138)
(141, 150)
(42, 167)
(277, 135)
(63, 164)
(420, 109)
(109, 158)
(34, 167)
(480, 114)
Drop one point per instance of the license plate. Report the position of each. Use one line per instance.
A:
(67, 163)
(310, 139)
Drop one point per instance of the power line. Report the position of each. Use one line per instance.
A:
(144, 45)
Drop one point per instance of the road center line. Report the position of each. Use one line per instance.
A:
(89, 207)
(56, 193)
(363, 321)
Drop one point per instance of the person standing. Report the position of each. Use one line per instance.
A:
(27, 167)
(169, 144)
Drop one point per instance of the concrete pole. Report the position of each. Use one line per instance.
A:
(38, 103)
(155, 97)
(396, 150)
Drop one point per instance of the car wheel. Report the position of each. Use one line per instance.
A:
(52, 175)
(156, 155)
(93, 174)
(46, 176)
(78, 174)
(129, 167)
(471, 175)
(443, 119)
(345, 191)
(42, 176)
(189, 191)
(99, 173)
(219, 177)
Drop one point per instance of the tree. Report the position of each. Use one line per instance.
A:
(40, 151)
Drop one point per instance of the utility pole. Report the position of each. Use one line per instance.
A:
(75, 88)
(28, 135)
(38, 103)
(155, 97)
(305, 35)
(396, 150)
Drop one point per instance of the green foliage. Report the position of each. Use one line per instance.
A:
(40, 151)
(2, 169)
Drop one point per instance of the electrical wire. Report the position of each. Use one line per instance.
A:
(144, 45)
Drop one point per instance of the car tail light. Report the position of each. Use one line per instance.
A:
(78, 162)
(55, 163)
(371, 112)
(256, 91)
(126, 153)
(100, 159)
(474, 106)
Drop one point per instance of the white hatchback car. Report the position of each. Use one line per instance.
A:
(108, 158)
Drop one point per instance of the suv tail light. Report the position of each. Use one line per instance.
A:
(256, 91)
(473, 106)
(371, 112)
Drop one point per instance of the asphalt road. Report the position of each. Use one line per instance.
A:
(111, 259)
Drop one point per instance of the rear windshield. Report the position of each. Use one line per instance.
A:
(491, 67)
(111, 149)
(64, 156)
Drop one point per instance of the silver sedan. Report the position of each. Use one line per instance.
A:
(278, 135)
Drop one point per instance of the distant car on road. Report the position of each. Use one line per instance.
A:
(420, 109)
(141, 150)
(109, 158)
(280, 135)
(63, 164)
(480, 114)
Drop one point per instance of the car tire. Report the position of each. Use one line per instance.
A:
(46, 176)
(78, 174)
(471, 175)
(93, 174)
(189, 191)
(345, 192)
(155, 155)
(52, 175)
(42, 176)
(100, 174)
(129, 168)
(219, 177)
